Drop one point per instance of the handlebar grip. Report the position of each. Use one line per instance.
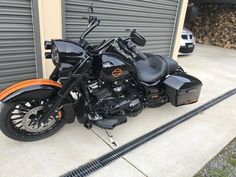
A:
(121, 45)
(138, 53)
(132, 48)
(141, 55)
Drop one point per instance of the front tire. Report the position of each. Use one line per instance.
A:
(20, 120)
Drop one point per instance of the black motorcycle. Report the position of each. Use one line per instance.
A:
(100, 85)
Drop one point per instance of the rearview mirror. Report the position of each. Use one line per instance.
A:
(90, 8)
(90, 11)
(137, 38)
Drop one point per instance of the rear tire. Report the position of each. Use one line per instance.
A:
(17, 123)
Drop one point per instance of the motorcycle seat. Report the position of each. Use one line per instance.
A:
(154, 67)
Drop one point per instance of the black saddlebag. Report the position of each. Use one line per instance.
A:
(182, 89)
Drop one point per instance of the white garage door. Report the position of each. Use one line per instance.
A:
(155, 19)
(17, 47)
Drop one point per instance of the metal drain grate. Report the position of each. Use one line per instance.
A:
(85, 170)
(102, 161)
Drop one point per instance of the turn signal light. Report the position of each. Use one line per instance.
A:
(48, 55)
(48, 45)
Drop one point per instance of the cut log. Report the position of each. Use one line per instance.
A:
(216, 25)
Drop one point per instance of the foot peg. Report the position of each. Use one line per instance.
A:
(110, 123)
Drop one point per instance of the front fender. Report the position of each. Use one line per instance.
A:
(35, 89)
(26, 89)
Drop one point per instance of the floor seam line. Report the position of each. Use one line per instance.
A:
(102, 139)
(134, 166)
(127, 161)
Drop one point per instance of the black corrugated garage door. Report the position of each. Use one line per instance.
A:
(17, 47)
(155, 19)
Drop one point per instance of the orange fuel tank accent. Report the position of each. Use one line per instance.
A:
(27, 83)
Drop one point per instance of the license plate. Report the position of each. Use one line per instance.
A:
(190, 46)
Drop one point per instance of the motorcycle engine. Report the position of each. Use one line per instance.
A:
(115, 98)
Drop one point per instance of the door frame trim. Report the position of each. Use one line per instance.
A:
(37, 40)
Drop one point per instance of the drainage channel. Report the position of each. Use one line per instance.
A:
(104, 160)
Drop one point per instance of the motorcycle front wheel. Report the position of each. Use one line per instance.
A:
(21, 120)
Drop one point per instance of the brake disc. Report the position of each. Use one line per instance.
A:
(31, 123)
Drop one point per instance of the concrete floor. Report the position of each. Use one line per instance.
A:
(181, 152)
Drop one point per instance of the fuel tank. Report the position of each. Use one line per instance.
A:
(112, 67)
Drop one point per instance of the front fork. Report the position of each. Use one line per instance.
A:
(64, 92)
(54, 75)
(59, 98)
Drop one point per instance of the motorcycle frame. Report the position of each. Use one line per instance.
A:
(76, 81)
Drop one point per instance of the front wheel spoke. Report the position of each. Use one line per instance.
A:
(17, 123)
(37, 102)
(30, 123)
(23, 106)
(22, 110)
(18, 114)
(34, 123)
(36, 126)
(33, 104)
(17, 118)
(26, 118)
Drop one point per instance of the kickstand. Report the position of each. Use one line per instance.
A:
(111, 138)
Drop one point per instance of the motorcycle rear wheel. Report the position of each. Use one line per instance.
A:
(21, 120)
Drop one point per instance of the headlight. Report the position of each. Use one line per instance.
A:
(55, 55)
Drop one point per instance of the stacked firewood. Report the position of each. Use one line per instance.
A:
(216, 25)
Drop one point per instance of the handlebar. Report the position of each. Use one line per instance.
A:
(93, 22)
(131, 47)
(139, 54)
(105, 44)
(127, 46)
(123, 46)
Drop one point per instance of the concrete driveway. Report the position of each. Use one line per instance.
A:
(181, 152)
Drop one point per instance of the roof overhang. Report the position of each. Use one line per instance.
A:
(214, 1)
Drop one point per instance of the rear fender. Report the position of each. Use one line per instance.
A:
(34, 89)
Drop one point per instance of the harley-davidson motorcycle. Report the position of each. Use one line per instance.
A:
(99, 85)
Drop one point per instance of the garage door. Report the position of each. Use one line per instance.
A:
(155, 19)
(17, 51)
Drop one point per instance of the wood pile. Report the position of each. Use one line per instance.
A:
(216, 25)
